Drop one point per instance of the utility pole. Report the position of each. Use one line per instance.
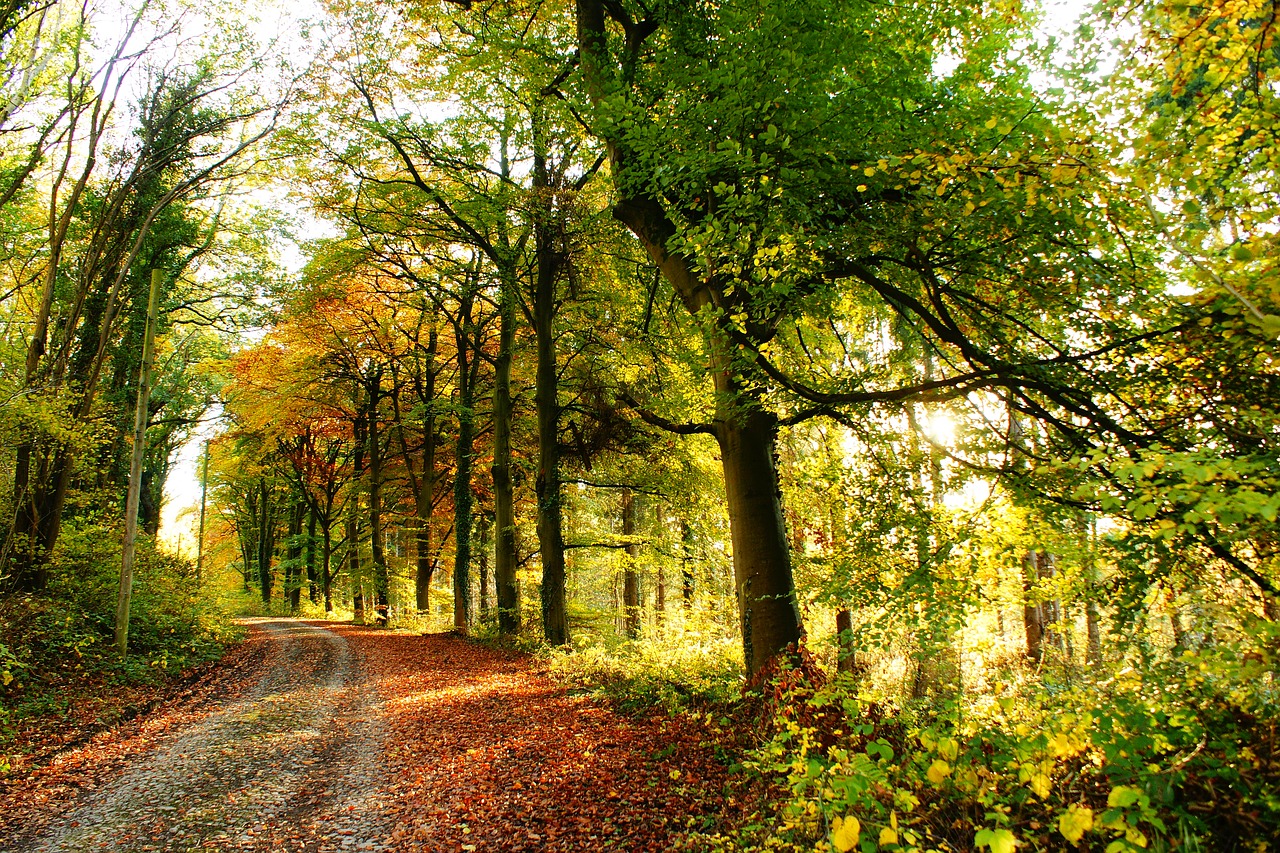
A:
(204, 490)
(135, 467)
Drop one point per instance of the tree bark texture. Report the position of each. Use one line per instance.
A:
(504, 552)
(549, 261)
(381, 579)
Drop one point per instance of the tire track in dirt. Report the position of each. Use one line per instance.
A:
(295, 764)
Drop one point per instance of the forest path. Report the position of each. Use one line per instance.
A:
(345, 738)
(295, 759)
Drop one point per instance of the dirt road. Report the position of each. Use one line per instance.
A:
(347, 739)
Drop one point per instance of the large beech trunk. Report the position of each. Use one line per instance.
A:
(550, 260)
(381, 580)
(293, 557)
(424, 498)
(313, 592)
(767, 607)
(467, 337)
(326, 567)
(266, 542)
(462, 507)
(745, 430)
(555, 625)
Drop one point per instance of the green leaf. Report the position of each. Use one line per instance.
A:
(995, 840)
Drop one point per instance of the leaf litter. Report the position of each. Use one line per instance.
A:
(321, 737)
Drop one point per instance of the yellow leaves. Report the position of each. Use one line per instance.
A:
(1123, 796)
(938, 771)
(966, 779)
(1038, 776)
(1075, 822)
(887, 837)
(845, 832)
(1064, 175)
(1135, 837)
(1066, 744)
(995, 840)
(1040, 783)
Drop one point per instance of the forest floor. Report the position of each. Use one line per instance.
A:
(322, 737)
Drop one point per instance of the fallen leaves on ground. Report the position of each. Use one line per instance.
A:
(487, 755)
(66, 757)
(481, 753)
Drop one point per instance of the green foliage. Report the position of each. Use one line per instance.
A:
(673, 670)
(1178, 755)
(55, 647)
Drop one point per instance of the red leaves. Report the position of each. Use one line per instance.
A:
(487, 755)
(478, 753)
(71, 755)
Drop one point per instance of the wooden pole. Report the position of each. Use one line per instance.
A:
(204, 490)
(135, 467)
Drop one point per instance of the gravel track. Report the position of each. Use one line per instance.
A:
(293, 764)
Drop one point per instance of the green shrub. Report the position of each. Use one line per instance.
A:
(56, 646)
(1180, 756)
(675, 670)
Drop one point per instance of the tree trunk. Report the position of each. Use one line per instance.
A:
(483, 566)
(630, 576)
(313, 593)
(266, 542)
(326, 567)
(381, 581)
(767, 607)
(359, 427)
(1032, 612)
(424, 500)
(504, 553)
(463, 500)
(686, 564)
(847, 656)
(353, 561)
(293, 559)
(660, 594)
(1092, 616)
(549, 260)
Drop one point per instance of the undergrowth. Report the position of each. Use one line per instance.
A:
(674, 670)
(1173, 754)
(1179, 756)
(56, 649)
